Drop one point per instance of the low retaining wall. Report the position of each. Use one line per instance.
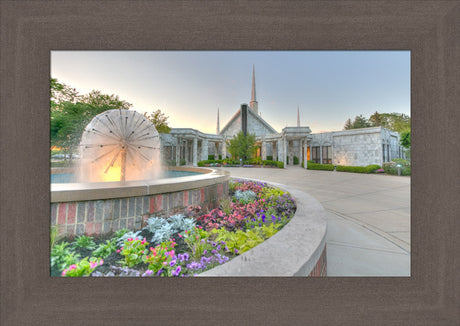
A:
(299, 249)
(101, 208)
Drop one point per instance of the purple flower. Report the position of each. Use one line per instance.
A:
(214, 252)
(205, 252)
(147, 273)
(160, 271)
(263, 218)
(172, 263)
(273, 218)
(177, 271)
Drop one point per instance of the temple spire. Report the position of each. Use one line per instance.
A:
(298, 117)
(218, 123)
(253, 104)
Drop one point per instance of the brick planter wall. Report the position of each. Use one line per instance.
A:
(94, 217)
(321, 266)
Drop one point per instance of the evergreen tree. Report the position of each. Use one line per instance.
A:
(241, 146)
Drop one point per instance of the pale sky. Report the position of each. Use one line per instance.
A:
(188, 86)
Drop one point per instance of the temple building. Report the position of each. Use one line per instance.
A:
(356, 147)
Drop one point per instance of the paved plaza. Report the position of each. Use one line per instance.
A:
(368, 217)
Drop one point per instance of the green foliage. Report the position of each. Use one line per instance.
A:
(182, 161)
(269, 158)
(316, 166)
(211, 157)
(356, 169)
(196, 242)
(118, 234)
(170, 162)
(371, 168)
(280, 164)
(399, 122)
(242, 147)
(160, 257)
(359, 122)
(71, 112)
(62, 256)
(104, 250)
(255, 160)
(132, 251)
(85, 242)
(271, 163)
(83, 267)
(159, 120)
(210, 162)
(240, 240)
(391, 167)
(53, 235)
(270, 229)
(296, 160)
(405, 139)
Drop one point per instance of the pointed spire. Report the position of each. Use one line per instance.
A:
(298, 117)
(218, 123)
(253, 104)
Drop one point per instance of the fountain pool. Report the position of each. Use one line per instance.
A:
(120, 183)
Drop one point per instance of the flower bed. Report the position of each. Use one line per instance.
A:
(182, 245)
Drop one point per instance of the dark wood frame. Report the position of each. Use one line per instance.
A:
(31, 29)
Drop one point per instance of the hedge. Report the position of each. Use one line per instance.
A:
(317, 166)
(202, 163)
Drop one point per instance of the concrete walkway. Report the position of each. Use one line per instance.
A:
(368, 217)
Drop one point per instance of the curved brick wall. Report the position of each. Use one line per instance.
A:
(101, 208)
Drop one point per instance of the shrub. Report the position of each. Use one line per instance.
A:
(255, 160)
(170, 162)
(391, 168)
(316, 166)
(182, 162)
(280, 164)
(371, 168)
(133, 250)
(296, 160)
(269, 158)
(357, 169)
(211, 157)
(203, 163)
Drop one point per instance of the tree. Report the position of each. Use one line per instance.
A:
(60, 93)
(242, 147)
(159, 120)
(109, 102)
(376, 119)
(71, 112)
(348, 125)
(360, 122)
(405, 139)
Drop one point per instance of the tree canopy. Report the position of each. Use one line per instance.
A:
(405, 139)
(399, 122)
(242, 147)
(159, 119)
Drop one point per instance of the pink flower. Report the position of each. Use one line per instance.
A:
(118, 250)
(180, 235)
(101, 262)
(130, 239)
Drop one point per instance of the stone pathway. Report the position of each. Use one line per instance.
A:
(368, 217)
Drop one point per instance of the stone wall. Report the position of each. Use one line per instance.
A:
(357, 149)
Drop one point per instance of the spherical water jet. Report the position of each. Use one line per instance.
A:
(119, 145)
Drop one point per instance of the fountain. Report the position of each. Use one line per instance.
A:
(121, 181)
(119, 145)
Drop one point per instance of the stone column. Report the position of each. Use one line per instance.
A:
(321, 154)
(305, 158)
(300, 152)
(216, 153)
(195, 151)
(279, 150)
(263, 151)
(224, 149)
(178, 140)
(204, 149)
(187, 154)
(275, 151)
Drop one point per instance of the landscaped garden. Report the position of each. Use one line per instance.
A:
(181, 245)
